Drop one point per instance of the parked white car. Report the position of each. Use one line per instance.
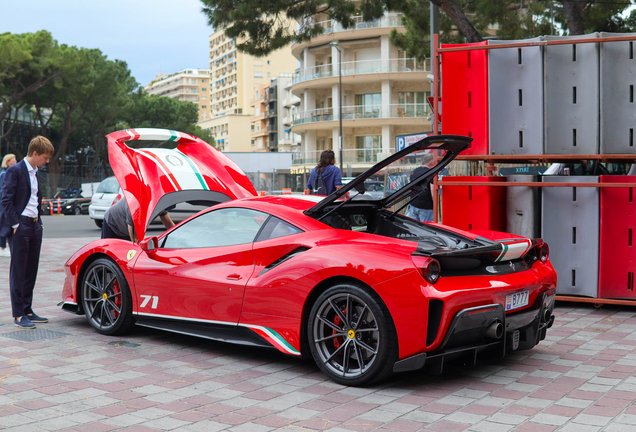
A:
(107, 194)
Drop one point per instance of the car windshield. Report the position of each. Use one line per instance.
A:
(109, 185)
(68, 193)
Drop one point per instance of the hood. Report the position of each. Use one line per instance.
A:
(153, 179)
(398, 170)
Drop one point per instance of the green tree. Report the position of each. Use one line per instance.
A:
(261, 28)
(152, 111)
(27, 63)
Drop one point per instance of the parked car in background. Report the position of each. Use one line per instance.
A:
(69, 202)
(107, 194)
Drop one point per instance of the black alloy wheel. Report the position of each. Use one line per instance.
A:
(352, 336)
(106, 298)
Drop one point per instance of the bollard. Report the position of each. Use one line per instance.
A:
(59, 205)
(287, 191)
(51, 207)
(262, 193)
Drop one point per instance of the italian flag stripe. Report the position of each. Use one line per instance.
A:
(274, 338)
(196, 170)
(163, 167)
(514, 250)
(174, 136)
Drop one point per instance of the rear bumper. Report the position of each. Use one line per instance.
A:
(469, 339)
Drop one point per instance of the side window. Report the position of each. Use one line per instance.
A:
(224, 227)
(275, 228)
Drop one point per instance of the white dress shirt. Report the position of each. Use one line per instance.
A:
(31, 210)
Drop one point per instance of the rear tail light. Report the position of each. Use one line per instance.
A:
(428, 267)
(117, 198)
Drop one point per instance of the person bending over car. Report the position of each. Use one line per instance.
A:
(118, 222)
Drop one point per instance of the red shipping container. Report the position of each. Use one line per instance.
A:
(617, 257)
(465, 93)
(474, 207)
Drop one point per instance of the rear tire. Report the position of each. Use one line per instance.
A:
(351, 335)
(106, 298)
(98, 222)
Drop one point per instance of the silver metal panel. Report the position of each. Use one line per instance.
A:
(570, 226)
(571, 89)
(523, 207)
(618, 104)
(516, 99)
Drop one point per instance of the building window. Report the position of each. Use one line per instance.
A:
(368, 105)
(204, 106)
(204, 89)
(203, 82)
(412, 104)
(258, 74)
(368, 147)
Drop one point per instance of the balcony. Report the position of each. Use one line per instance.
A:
(272, 128)
(360, 112)
(294, 100)
(332, 26)
(362, 67)
(349, 156)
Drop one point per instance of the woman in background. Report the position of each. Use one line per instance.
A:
(325, 177)
(7, 161)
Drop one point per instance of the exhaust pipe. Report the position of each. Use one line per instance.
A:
(547, 315)
(494, 331)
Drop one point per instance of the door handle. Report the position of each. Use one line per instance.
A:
(234, 276)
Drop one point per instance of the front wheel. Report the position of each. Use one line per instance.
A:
(77, 211)
(106, 298)
(351, 335)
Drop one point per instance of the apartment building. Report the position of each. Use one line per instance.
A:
(270, 128)
(192, 85)
(235, 76)
(383, 92)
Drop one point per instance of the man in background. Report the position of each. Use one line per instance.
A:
(118, 222)
(421, 204)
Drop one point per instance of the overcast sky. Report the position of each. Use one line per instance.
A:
(150, 35)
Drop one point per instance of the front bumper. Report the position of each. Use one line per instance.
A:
(472, 337)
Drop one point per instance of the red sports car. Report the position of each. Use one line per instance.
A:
(345, 278)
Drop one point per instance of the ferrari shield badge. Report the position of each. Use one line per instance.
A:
(131, 254)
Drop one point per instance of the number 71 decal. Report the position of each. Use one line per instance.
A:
(155, 300)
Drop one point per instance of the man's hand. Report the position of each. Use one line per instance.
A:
(15, 229)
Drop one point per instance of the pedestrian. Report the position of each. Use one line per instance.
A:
(421, 204)
(21, 224)
(118, 222)
(325, 178)
(7, 161)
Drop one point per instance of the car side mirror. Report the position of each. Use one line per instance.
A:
(148, 244)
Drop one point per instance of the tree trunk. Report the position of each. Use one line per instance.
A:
(456, 14)
(573, 11)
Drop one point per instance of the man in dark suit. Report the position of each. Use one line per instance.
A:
(21, 224)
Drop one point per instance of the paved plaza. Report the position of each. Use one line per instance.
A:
(68, 377)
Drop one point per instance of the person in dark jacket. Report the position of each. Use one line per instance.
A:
(20, 222)
(7, 161)
(325, 177)
(421, 205)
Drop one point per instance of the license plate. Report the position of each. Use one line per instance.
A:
(517, 300)
(99, 212)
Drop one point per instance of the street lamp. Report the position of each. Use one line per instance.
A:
(335, 45)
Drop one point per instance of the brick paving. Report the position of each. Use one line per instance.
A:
(579, 379)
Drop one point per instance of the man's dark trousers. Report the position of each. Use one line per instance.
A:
(25, 246)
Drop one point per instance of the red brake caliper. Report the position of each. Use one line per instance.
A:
(117, 300)
(337, 341)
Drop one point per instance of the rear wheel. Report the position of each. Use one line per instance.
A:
(352, 336)
(98, 222)
(106, 298)
(77, 211)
